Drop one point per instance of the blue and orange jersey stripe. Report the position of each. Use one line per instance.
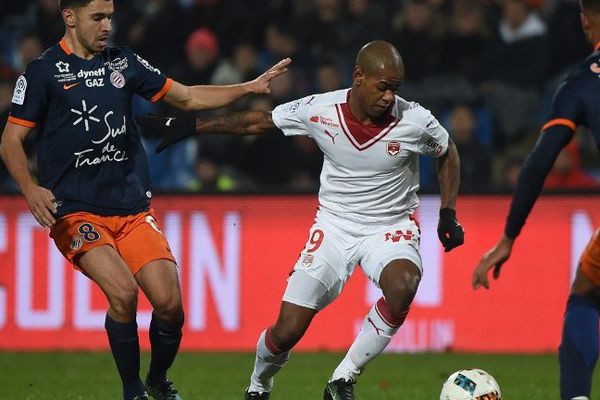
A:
(162, 91)
(560, 121)
(22, 122)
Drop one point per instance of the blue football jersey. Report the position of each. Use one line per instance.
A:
(576, 100)
(89, 153)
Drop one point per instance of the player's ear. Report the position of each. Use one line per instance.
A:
(357, 75)
(69, 17)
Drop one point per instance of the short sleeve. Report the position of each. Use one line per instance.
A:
(30, 96)
(147, 80)
(565, 106)
(291, 117)
(433, 141)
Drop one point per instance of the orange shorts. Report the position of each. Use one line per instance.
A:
(136, 238)
(590, 259)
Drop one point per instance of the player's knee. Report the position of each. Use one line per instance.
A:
(124, 303)
(401, 291)
(286, 333)
(170, 309)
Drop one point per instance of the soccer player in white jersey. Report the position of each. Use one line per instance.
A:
(371, 140)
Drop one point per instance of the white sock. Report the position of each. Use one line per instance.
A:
(266, 365)
(375, 334)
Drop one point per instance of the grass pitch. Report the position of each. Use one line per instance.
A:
(223, 376)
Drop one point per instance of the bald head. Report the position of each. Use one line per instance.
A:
(378, 55)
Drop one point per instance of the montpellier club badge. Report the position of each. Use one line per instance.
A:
(117, 79)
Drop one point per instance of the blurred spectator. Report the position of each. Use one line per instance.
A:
(516, 66)
(416, 32)
(44, 19)
(240, 67)
(320, 30)
(510, 171)
(475, 158)
(361, 23)
(30, 48)
(567, 173)
(329, 76)
(466, 41)
(568, 40)
(153, 28)
(201, 50)
(6, 93)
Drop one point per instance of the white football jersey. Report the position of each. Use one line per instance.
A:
(370, 173)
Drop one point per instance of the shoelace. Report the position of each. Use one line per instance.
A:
(346, 389)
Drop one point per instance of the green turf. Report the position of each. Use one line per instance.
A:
(223, 376)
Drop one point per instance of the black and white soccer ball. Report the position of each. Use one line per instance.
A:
(470, 384)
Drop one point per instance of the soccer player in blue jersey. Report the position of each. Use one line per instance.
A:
(93, 190)
(575, 103)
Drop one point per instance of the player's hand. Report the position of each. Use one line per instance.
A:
(171, 129)
(450, 233)
(260, 85)
(42, 204)
(495, 257)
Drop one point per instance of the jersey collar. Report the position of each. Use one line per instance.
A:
(63, 45)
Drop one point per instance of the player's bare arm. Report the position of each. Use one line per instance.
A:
(529, 185)
(40, 200)
(173, 129)
(448, 171)
(450, 232)
(203, 97)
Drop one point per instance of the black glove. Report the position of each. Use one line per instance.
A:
(450, 232)
(171, 129)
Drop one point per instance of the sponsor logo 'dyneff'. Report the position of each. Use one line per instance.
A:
(86, 74)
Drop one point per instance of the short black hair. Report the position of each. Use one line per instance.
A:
(592, 6)
(62, 4)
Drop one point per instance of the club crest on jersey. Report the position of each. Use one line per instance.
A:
(307, 260)
(62, 66)
(393, 149)
(117, 79)
(77, 242)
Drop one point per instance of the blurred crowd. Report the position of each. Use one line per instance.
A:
(486, 68)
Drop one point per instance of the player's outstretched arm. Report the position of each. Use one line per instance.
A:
(450, 232)
(40, 200)
(204, 97)
(494, 257)
(529, 185)
(173, 129)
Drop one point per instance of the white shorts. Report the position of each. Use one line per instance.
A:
(335, 246)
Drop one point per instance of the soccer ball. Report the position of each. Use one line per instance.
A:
(470, 384)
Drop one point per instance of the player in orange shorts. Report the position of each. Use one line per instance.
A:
(589, 263)
(574, 104)
(93, 189)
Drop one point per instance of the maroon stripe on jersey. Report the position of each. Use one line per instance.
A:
(363, 136)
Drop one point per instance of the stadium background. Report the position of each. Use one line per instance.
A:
(236, 211)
